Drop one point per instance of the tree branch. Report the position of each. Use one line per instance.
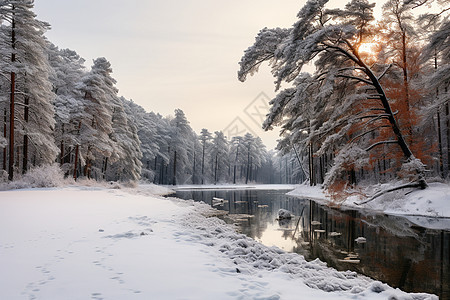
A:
(381, 143)
(384, 72)
(366, 132)
(420, 184)
(258, 62)
(356, 78)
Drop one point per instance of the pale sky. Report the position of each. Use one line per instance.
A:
(177, 54)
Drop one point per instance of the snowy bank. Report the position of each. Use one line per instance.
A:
(236, 187)
(431, 202)
(98, 243)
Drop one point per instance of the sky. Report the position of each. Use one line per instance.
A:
(178, 54)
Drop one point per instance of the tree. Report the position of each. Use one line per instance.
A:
(95, 129)
(219, 156)
(180, 145)
(205, 137)
(127, 165)
(147, 126)
(436, 27)
(400, 29)
(236, 156)
(349, 103)
(28, 71)
(68, 71)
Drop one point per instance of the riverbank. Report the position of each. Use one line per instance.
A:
(234, 187)
(99, 243)
(432, 202)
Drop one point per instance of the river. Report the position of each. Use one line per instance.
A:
(391, 249)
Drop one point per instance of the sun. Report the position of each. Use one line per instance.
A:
(369, 49)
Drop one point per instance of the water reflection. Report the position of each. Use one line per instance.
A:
(392, 249)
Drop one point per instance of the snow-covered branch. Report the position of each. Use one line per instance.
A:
(381, 143)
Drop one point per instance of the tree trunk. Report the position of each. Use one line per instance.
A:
(61, 154)
(193, 171)
(174, 178)
(25, 137)
(406, 83)
(441, 153)
(203, 162)
(4, 135)
(388, 110)
(311, 165)
(215, 171)
(12, 103)
(439, 132)
(75, 164)
(248, 166)
(61, 157)
(447, 113)
(77, 149)
(105, 167)
(235, 163)
(391, 118)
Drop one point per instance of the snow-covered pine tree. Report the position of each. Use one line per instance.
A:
(343, 81)
(236, 156)
(181, 146)
(147, 130)
(95, 128)
(204, 137)
(219, 157)
(250, 149)
(25, 63)
(68, 71)
(258, 158)
(126, 163)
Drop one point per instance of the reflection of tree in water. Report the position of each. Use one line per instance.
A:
(396, 252)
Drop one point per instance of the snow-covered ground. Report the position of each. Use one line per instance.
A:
(431, 202)
(98, 243)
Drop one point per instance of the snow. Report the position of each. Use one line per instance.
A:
(97, 243)
(236, 187)
(429, 208)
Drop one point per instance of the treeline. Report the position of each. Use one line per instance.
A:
(172, 153)
(55, 110)
(376, 108)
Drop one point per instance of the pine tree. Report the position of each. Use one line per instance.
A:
(68, 71)
(28, 69)
(126, 160)
(219, 157)
(180, 147)
(96, 127)
(343, 81)
(205, 137)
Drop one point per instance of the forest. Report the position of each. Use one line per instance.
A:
(55, 110)
(374, 110)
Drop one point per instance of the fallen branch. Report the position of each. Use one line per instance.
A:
(420, 184)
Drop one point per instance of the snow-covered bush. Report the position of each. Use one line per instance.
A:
(44, 176)
(411, 169)
(350, 157)
(37, 177)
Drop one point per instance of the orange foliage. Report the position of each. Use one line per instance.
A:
(405, 102)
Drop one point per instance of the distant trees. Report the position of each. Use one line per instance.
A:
(54, 110)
